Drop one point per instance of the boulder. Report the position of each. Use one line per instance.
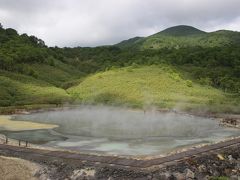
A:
(189, 174)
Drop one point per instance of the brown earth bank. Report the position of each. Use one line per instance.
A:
(224, 162)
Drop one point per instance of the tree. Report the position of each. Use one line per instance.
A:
(37, 41)
(11, 32)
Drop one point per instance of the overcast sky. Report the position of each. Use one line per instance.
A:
(100, 22)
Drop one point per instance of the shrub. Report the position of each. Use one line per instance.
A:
(189, 83)
(175, 76)
(205, 81)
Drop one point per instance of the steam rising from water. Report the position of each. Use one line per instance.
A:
(125, 131)
(121, 123)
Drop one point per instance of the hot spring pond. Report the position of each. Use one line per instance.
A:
(120, 131)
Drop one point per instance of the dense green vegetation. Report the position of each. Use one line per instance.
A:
(211, 58)
(206, 65)
(30, 72)
(27, 55)
(19, 89)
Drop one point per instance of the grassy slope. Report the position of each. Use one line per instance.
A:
(30, 72)
(146, 86)
(16, 89)
(44, 88)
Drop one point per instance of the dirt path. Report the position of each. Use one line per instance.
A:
(15, 168)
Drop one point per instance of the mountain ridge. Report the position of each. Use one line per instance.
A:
(182, 36)
(32, 73)
(182, 30)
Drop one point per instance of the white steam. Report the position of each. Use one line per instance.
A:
(120, 123)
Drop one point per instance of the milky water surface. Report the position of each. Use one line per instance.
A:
(122, 131)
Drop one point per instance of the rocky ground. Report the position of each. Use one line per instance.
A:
(222, 163)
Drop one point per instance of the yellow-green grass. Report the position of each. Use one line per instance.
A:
(7, 124)
(16, 89)
(159, 86)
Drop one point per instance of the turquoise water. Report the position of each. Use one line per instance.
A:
(111, 130)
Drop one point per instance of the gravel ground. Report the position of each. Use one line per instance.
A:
(225, 162)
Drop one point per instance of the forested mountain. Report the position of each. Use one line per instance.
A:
(32, 73)
(211, 58)
(184, 37)
(181, 30)
(129, 43)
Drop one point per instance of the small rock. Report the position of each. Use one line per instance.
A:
(179, 176)
(190, 174)
(230, 158)
(220, 156)
(165, 175)
(202, 168)
(216, 173)
(235, 170)
(206, 178)
(83, 173)
(149, 177)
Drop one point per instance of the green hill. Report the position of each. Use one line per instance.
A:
(180, 65)
(205, 40)
(145, 86)
(30, 72)
(29, 56)
(182, 30)
(16, 90)
(183, 37)
(129, 43)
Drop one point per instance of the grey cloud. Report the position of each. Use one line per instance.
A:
(99, 22)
